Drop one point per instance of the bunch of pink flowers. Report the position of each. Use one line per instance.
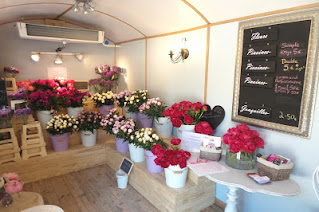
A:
(9, 182)
(124, 128)
(153, 108)
(109, 120)
(120, 97)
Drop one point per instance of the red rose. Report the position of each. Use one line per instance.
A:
(186, 154)
(198, 128)
(205, 108)
(176, 122)
(205, 124)
(166, 112)
(182, 163)
(208, 131)
(188, 119)
(175, 141)
(156, 148)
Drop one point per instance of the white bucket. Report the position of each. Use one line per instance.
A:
(136, 153)
(129, 114)
(88, 138)
(175, 176)
(74, 111)
(44, 116)
(122, 179)
(187, 128)
(163, 127)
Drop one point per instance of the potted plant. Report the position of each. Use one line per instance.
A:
(174, 162)
(6, 115)
(11, 71)
(145, 139)
(242, 145)
(120, 98)
(148, 111)
(23, 114)
(72, 99)
(9, 184)
(59, 129)
(89, 123)
(100, 85)
(122, 130)
(104, 101)
(185, 115)
(108, 73)
(133, 102)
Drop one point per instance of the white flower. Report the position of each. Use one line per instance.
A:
(75, 126)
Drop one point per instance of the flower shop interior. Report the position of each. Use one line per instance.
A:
(187, 53)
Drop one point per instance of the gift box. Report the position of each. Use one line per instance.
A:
(273, 171)
(212, 154)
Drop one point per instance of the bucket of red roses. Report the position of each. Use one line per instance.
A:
(242, 145)
(174, 162)
(146, 138)
(104, 102)
(133, 102)
(59, 129)
(185, 115)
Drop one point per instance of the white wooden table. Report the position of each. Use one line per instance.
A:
(235, 179)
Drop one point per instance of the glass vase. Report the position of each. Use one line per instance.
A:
(7, 200)
(241, 160)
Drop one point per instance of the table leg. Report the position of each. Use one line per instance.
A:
(231, 200)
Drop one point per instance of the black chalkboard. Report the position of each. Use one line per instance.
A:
(3, 93)
(273, 72)
(126, 165)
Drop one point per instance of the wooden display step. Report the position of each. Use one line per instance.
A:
(9, 148)
(198, 193)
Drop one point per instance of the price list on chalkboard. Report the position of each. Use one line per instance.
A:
(273, 70)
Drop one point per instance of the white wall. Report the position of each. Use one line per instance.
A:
(175, 82)
(16, 52)
(131, 57)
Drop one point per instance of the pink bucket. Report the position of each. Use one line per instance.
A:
(105, 109)
(144, 121)
(121, 145)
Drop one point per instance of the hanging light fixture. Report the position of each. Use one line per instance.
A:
(183, 54)
(87, 7)
(35, 57)
(58, 60)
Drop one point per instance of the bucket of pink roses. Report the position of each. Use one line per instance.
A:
(104, 102)
(133, 102)
(185, 115)
(108, 123)
(119, 99)
(72, 99)
(146, 139)
(148, 111)
(59, 129)
(242, 145)
(88, 124)
(174, 162)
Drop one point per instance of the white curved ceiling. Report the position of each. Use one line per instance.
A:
(124, 20)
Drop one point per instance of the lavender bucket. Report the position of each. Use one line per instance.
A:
(105, 109)
(144, 121)
(121, 145)
(60, 142)
(151, 165)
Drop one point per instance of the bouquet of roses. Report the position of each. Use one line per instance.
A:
(109, 120)
(120, 97)
(61, 124)
(44, 85)
(108, 72)
(146, 139)
(25, 84)
(71, 97)
(241, 138)
(103, 99)
(124, 128)
(204, 128)
(135, 100)
(185, 112)
(153, 108)
(173, 157)
(9, 184)
(63, 82)
(88, 121)
(12, 70)
(43, 100)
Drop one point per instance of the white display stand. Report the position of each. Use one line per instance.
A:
(235, 179)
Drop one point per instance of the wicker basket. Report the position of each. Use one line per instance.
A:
(273, 171)
(210, 153)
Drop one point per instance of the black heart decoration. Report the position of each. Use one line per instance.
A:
(214, 116)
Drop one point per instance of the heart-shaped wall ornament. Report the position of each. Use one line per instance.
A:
(214, 116)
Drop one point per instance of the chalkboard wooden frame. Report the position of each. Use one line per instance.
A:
(310, 79)
(127, 173)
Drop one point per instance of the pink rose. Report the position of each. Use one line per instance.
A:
(10, 176)
(13, 186)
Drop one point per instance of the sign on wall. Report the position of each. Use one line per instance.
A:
(276, 78)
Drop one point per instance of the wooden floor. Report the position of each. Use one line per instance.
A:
(93, 190)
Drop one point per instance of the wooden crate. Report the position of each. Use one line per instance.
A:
(9, 148)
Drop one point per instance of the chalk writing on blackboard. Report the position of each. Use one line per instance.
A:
(260, 51)
(250, 110)
(258, 81)
(287, 116)
(295, 49)
(259, 66)
(288, 85)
